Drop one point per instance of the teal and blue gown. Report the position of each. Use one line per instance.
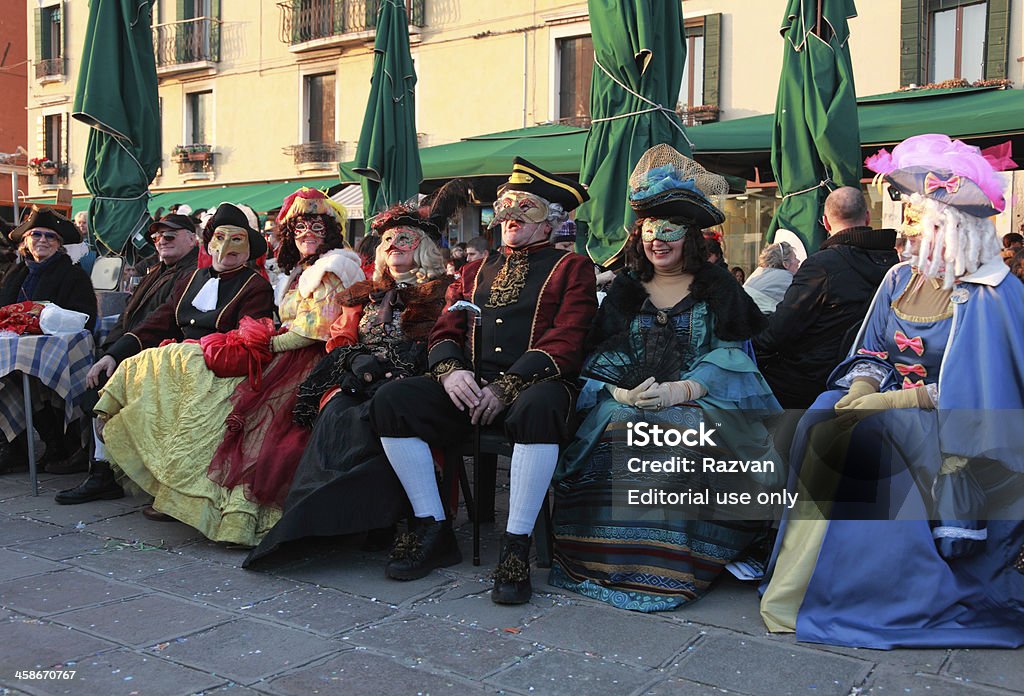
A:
(652, 558)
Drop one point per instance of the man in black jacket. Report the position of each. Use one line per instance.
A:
(175, 240)
(817, 320)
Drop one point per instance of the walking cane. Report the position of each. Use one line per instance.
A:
(470, 308)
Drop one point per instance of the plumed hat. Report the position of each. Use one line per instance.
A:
(238, 216)
(173, 221)
(667, 184)
(948, 171)
(307, 201)
(430, 215)
(528, 177)
(51, 220)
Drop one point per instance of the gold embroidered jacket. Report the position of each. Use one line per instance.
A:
(537, 308)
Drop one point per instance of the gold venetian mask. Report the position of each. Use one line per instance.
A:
(656, 228)
(521, 206)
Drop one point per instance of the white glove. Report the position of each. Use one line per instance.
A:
(629, 396)
(670, 394)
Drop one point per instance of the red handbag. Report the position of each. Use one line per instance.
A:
(240, 352)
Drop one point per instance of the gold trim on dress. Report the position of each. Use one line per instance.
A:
(915, 275)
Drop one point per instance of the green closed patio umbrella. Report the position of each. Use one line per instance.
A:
(816, 140)
(388, 156)
(639, 54)
(117, 98)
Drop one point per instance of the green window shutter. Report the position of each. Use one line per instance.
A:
(997, 35)
(912, 38)
(296, 22)
(180, 33)
(712, 57)
(39, 35)
(372, 8)
(62, 47)
(215, 31)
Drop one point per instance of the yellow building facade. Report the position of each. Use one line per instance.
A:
(274, 90)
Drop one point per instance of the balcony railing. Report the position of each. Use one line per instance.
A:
(303, 21)
(196, 166)
(50, 67)
(187, 42)
(315, 152)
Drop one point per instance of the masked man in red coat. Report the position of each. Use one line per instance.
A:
(536, 305)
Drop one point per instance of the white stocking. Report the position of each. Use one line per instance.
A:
(532, 468)
(411, 460)
(100, 454)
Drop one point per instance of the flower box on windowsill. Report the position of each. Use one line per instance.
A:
(47, 171)
(705, 113)
(199, 156)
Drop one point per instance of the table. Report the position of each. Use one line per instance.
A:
(59, 362)
(104, 326)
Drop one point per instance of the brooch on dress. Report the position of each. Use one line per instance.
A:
(661, 317)
(959, 295)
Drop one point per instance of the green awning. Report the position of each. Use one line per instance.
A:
(976, 114)
(981, 115)
(559, 149)
(739, 146)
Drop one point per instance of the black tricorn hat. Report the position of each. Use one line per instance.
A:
(552, 188)
(231, 214)
(172, 221)
(51, 220)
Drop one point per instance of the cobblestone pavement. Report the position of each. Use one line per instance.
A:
(141, 607)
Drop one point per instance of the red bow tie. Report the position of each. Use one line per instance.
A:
(880, 354)
(907, 384)
(915, 344)
(917, 369)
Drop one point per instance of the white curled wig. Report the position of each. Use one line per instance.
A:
(949, 243)
(427, 259)
(556, 216)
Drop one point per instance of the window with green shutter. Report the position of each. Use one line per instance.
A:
(699, 91)
(49, 40)
(953, 39)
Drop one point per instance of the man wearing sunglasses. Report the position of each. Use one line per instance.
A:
(175, 240)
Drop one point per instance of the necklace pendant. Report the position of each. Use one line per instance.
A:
(661, 317)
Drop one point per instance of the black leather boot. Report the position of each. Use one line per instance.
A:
(512, 574)
(431, 545)
(99, 486)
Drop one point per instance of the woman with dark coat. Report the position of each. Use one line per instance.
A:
(47, 274)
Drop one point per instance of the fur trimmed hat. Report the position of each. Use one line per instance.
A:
(307, 201)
